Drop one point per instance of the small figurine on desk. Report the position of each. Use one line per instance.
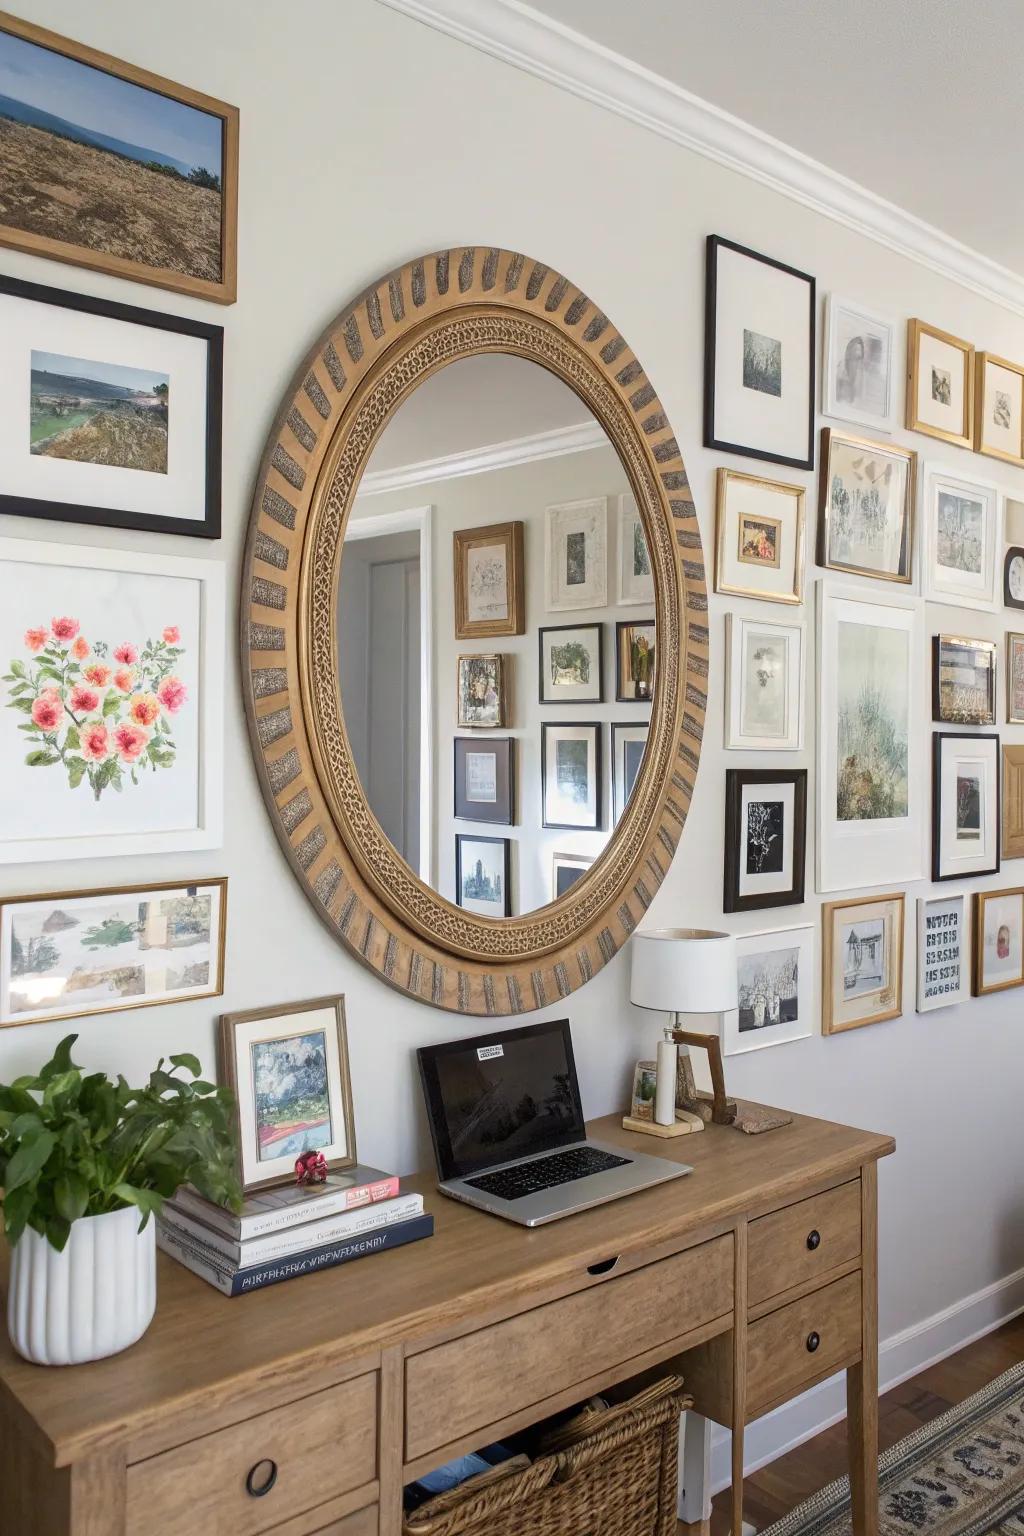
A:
(311, 1168)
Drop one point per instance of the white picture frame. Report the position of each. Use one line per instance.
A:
(943, 951)
(784, 662)
(948, 498)
(576, 554)
(626, 761)
(636, 585)
(858, 385)
(966, 806)
(769, 992)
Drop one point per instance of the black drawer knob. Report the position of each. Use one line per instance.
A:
(813, 1340)
(261, 1478)
(813, 1239)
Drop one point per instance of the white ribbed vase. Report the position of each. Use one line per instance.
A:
(92, 1300)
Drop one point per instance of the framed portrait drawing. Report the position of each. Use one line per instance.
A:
(571, 785)
(571, 664)
(758, 356)
(628, 745)
(566, 869)
(1014, 678)
(1013, 577)
(759, 538)
(482, 691)
(288, 1069)
(576, 554)
(965, 805)
(774, 989)
(963, 680)
(111, 702)
(636, 581)
(489, 594)
(485, 779)
(88, 132)
(635, 657)
(483, 874)
(999, 408)
(940, 384)
(962, 537)
(866, 507)
(764, 684)
(85, 952)
(765, 838)
(998, 941)
(858, 379)
(862, 962)
(942, 952)
(1012, 844)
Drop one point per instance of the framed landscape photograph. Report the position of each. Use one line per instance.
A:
(635, 656)
(962, 538)
(862, 962)
(860, 365)
(485, 779)
(576, 554)
(759, 540)
(1012, 844)
(571, 664)
(765, 838)
(628, 745)
(108, 414)
(86, 952)
(963, 680)
(774, 988)
(566, 869)
(489, 594)
(483, 874)
(1014, 678)
(940, 384)
(942, 953)
(572, 792)
(112, 167)
(288, 1069)
(764, 684)
(758, 356)
(481, 691)
(965, 805)
(636, 579)
(999, 408)
(866, 507)
(998, 941)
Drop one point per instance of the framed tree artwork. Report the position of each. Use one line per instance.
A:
(764, 684)
(576, 554)
(866, 507)
(759, 538)
(999, 408)
(962, 538)
(765, 838)
(489, 594)
(940, 384)
(963, 680)
(998, 941)
(858, 379)
(965, 805)
(572, 792)
(943, 961)
(774, 990)
(862, 961)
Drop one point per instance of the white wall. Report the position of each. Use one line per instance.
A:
(366, 140)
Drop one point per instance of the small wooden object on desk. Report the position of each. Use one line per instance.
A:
(685, 1124)
(712, 1106)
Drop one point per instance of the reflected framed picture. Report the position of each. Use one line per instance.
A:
(636, 579)
(759, 538)
(635, 656)
(576, 554)
(962, 538)
(940, 384)
(965, 805)
(288, 1069)
(942, 952)
(998, 941)
(859, 371)
(1014, 678)
(628, 745)
(566, 869)
(571, 784)
(866, 507)
(1012, 836)
(963, 680)
(483, 874)
(764, 684)
(765, 838)
(999, 408)
(481, 693)
(489, 593)
(485, 779)
(862, 961)
(774, 989)
(571, 664)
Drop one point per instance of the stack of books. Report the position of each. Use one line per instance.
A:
(283, 1233)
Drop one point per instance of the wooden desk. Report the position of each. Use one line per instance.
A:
(356, 1380)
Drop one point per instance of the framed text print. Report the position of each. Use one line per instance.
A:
(962, 528)
(965, 804)
(942, 955)
(940, 384)
(111, 702)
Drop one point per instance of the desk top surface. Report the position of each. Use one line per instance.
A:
(201, 1341)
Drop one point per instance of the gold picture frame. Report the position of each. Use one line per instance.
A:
(984, 361)
(984, 900)
(1014, 710)
(963, 435)
(867, 448)
(1012, 836)
(949, 706)
(467, 721)
(509, 538)
(728, 555)
(881, 930)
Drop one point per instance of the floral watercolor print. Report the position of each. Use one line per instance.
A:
(291, 1091)
(873, 726)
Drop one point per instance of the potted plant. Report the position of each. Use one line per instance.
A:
(84, 1163)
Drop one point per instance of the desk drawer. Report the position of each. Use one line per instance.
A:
(321, 1447)
(805, 1340)
(484, 1377)
(808, 1239)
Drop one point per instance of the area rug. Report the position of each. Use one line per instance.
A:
(960, 1475)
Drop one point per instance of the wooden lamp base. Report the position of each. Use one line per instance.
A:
(685, 1125)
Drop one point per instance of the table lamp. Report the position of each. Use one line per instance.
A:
(679, 971)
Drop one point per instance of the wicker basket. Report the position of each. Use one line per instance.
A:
(617, 1477)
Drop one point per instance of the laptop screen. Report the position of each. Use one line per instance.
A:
(502, 1096)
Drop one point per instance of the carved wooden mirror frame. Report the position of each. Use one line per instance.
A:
(405, 327)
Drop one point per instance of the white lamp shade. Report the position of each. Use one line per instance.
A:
(684, 970)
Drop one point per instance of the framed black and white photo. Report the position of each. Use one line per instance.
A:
(481, 691)
(576, 554)
(862, 961)
(764, 684)
(940, 384)
(636, 579)
(759, 538)
(942, 951)
(999, 408)
(566, 869)
(485, 779)
(635, 656)
(765, 838)
(571, 787)
(483, 874)
(963, 680)
(758, 356)
(774, 990)
(965, 805)
(628, 745)
(866, 507)
(112, 414)
(962, 536)
(571, 664)
(858, 378)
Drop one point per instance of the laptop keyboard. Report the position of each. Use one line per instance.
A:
(545, 1172)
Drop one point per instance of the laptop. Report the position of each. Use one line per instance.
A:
(508, 1129)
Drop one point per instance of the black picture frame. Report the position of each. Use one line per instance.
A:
(506, 844)
(736, 780)
(502, 748)
(976, 739)
(551, 629)
(619, 800)
(1015, 552)
(209, 527)
(938, 642)
(715, 243)
(621, 697)
(595, 726)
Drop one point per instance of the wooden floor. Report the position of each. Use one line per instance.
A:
(778, 1488)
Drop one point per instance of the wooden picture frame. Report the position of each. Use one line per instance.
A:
(732, 574)
(989, 957)
(999, 423)
(965, 808)
(462, 839)
(591, 818)
(951, 653)
(630, 688)
(1014, 668)
(481, 793)
(880, 936)
(1011, 843)
(787, 789)
(867, 454)
(470, 717)
(590, 692)
(508, 537)
(957, 352)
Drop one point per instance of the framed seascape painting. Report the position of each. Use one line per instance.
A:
(862, 962)
(111, 702)
(108, 414)
(774, 989)
(1012, 838)
(111, 167)
(489, 593)
(759, 539)
(866, 507)
(764, 684)
(566, 869)
(636, 580)
(483, 874)
(481, 691)
(942, 953)
(860, 366)
(758, 356)
(628, 745)
(965, 805)
(998, 941)
(635, 656)
(962, 537)
(999, 408)
(288, 1069)
(85, 952)
(765, 838)
(571, 664)
(940, 384)
(576, 554)
(571, 785)
(485, 779)
(963, 680)
(1014, 678)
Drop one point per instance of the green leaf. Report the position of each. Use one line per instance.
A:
(148, 1201)
(72, 740)
(18, 669)
(42, 758)
(111, 705)
(29, 1159)
(25, 705)
(60, 1062)
(188, 1061)
(76, 771)
(71, 1196)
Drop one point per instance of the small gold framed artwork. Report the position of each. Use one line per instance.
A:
(862, 962)
(481, 689)
(759, 548)
(999, 408)
(489, 589)
(1014, 678)
(940, 384)
(998, 941)
(1012, 846)
(963, 680)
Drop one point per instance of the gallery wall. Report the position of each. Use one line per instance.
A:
(367, 139)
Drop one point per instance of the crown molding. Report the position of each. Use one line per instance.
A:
(476, 461)
(519, 35)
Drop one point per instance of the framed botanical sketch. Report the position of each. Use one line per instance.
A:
(942, 953)
(764, 684)
(965, 805)
(571, 664)
(774, 990)
(571, 787)
(485, 779)
(1014, 678)
(111, 167)
(576, 554)
(998, 941)
(758, 356)
(483, 874)
(765, 838)
(288, 1069)
(108, 414)
(940, 384)
(999, 408)
(635, 656)
(862, 962)
(84, 952)
(1013, 577)
(628, 745)
(962, 536)
(489, 594)
(636, 581)
(482, 691)
(1012, 844)
(111, 702)
(866, 507)
(759, 539)
(860, 365)
(566, 869)
(963, 680)
(872, 789)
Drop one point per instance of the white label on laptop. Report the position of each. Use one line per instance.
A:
(488, 1052)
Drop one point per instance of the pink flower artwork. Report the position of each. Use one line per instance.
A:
(129, 741)
(97, 674)
(83, 700)
(95, 741)
(64, 629)
(172, 634)
(127, 654)
(35, 639)
(172, 694)
(144, 708)
(80, 649)
(47, 712)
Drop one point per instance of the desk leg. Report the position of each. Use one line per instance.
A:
(862, 1379)
(739, 1375)
(695, 1471)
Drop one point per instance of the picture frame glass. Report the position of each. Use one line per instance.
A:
(570, 664)
(965, 680)
(865, 979)
(482, 875)
(572, 790)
